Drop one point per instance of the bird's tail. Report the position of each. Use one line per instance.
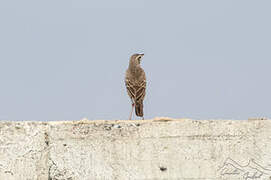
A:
(139, 109)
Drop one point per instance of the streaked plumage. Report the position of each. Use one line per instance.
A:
(135, 81)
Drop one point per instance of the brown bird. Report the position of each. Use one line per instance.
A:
(135, 81)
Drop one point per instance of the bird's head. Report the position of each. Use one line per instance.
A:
(136, 58)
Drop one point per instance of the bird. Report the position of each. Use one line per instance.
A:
(135, 81)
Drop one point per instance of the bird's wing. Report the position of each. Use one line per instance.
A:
(130, 88)
(136, 90)
(140, 91)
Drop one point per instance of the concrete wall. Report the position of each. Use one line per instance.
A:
(151, 149)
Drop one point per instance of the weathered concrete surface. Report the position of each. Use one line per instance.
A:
(23, 151)
(151, 149)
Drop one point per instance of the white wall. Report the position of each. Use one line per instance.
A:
(150, 149)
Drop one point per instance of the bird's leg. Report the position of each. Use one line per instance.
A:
(143, 118)
(133, 105)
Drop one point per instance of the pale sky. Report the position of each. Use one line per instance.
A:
(66, 59)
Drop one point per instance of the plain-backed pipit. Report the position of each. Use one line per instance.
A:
(135, 81)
